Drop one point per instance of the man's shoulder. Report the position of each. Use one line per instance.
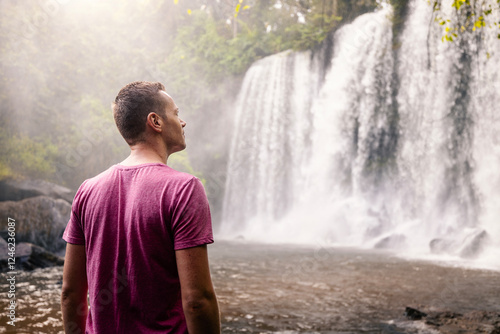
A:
(97, 179)
(181, 177)
(166, 174)
(147, 174)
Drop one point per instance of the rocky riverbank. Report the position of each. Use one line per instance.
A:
(37, 212)
(448, 322)
(291, 289)
(264, 289)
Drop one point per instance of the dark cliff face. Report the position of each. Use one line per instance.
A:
(400, 9)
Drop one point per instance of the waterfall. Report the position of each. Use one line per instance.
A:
(273, 127)
(394, 147)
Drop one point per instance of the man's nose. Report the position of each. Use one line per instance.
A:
(183, 123)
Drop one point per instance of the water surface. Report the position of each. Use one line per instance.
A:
(291, 289)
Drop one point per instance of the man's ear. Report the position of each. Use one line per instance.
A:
(154, 121)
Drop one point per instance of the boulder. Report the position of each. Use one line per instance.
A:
(441, 246)
(414, 314)
(474, 244)
(392, 241)
(22, 249)
(3, 248)
(467, 245)
(39, 220)
(28, 257)
(16, 190)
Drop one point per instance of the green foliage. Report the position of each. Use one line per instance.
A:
(207, 48)
(180, 161)
(470, 16)
(22, 155)
(202, 47)
(309, 35)
(62, 66)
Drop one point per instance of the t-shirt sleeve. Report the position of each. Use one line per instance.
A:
(191, 221)
(73, 233)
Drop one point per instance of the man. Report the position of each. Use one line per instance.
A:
(138, 232)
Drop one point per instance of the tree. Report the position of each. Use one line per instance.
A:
(468, 16)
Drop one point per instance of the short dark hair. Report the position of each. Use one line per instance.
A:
(133, 104)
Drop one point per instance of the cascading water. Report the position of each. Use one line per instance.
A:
(395, 148)
(273, 119)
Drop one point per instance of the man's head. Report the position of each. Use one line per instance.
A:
(143, 108)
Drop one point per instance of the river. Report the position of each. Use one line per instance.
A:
(298, 289)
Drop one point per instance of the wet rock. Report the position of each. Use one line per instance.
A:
(16, 190)
(3, 247)
(440, 246)
(21, 249)
(448, 322)
(474, 244)
(39, 220)
(414, 314)
(469, 245)
(392, 241)
(28, 257)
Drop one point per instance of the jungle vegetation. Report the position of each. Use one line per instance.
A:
(63, 61)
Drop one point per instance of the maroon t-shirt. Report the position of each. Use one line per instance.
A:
(131, 220)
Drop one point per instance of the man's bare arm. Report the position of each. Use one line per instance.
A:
(198, 296)
(74, 290)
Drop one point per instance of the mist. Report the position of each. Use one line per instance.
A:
(63, 62)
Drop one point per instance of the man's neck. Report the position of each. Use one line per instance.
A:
(142, 154)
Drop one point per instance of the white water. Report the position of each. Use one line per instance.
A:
(339, 162)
